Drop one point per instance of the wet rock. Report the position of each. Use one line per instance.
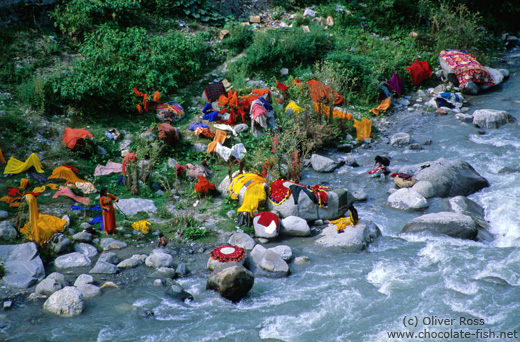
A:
(496, 75)
(232, 282)
(350, 160)
(176, 291)
(242, 240)
(491, 118)
(267, 263)
(103, 267)
(295, 226)
(463, 205)
(7, 230)
(22, 264)
(130, 263)
(3, 214)
(60, 244)
(448, 223)
(158, 283)
(109, 257)
(302, 260)
(407, 199)
(467, 118)
(424, 188)
(111, 244)
(268, 232)
(84, 279)
(82, 237)
(400, 139)
(164, 272)
(346, 148)
(72, 260)
(159, 258)
(48, 286)
(352, 239)
(283, 251)
(182, 270)
(470, 88)
(66, 302)
(223, 187)
(89, 291)
(359, 195)
(84, 248)
(323, 164)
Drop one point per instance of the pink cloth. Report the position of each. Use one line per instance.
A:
(111, 167)
(66, 191)
(258, 110)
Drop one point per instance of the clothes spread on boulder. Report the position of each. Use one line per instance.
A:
(73, 135)
(15, 166)
(343, 223)
(466, 68)
(281, 189)
(419, 71)
(170, 111)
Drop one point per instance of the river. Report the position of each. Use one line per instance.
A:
(434, 287)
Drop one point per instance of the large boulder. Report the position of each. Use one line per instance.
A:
(22, 264)
(85, 248)
(448, 223)
(7, 230)
(338, 202)
(131, 206)
(463, 205)
(400, 139)
(284, 251)
(449, 178)
(491, 118)
(214, 264)
(66, 302)
(48, 286)
(266, 225)
(232, 281)
(242, 240)
(159, 258)
(132, 262)
(89, 291)
(352, 239)
(60, 244)
(407, 199)
(424, 188)
(72, 260)
(110, 257)
(84, 279)
(295, 226)
(176, 291)
(103, 267)
(267, 263)
(323, 164)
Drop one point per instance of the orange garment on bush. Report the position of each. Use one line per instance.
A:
(129, 157)
(73, 135)
(363, 128)
(40, 228)
(220, 137)
(230, 100)
(63, 172)
(2, 160)
(260, 92)
(24, 183)
(384, 105)
(156, 96)
(319, 91)
(336, 113)
(203, 185)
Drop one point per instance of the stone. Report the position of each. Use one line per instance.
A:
(164, 272)
(283, 72)
(158, 283)
(131, 206)
(223, 34)
(8, 304)
(283, 251)
(172, 163)
(346, 148)
(182, 270)
(199, 147)
(467, 118)
(103, 267)
(267, 232)
(463, 205)
(130, 263)
(60, 244)
(223, 187)
(302, 260)
(267, 263)
(495, 74)
(448, 223)
(110, 244)
(400, 139)
(241, 128)
(359, 195)
(67, 221)
(72, 260)
(407, 199)
(424, 188)
(82, 237)
(159, 258)
(60, 278)
(66, 302)
(242, 240)
(7, 230)
(309, 12)
(109, 257)
(213, 264)
(89, 291)
(23, 266)
(350, 160)
(48, 286)
(470, 88)
(295, 226)
(84, 279)
(84, 248)
(323, 164)
(232, 282)
(176, 291)
(491, 118)
(352, 239)
(3, 214)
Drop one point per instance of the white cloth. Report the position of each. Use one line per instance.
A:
(238, 151)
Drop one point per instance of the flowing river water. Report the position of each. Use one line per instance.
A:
(433, 286)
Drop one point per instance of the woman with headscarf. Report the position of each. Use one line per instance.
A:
(106, 202)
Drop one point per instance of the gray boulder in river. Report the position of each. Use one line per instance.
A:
(448, 223)
(267, 263)
(22, 264)
(352, 239)
(66, 302)
(232, 281)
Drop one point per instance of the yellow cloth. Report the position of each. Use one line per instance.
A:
(52, 186)
(65, 173)
(384, 105)
(142, 225)
(295, 108)
(40, 228)
(363, 129)
(240, 181)
(343, 222)
(15, 166)
(39, 189)
(253, 196)
(336, 113)
(24, 183)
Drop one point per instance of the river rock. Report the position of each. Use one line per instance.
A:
(232, 282)
(130, 263)
(84, 279)
(164, 272)
(262, 231)
(241, 128)
(323, 164)
(72, 260)
(131, 206)
(352, 239)
(452, 224)
(22, 264)
(223, 187)
(267, 263)
(295, 226)
(109, 257)
(302, 260)
(89, 250)
(213, 264)
(470, 88)
(7, 230)
(491, 118)
(463, 205)
(407, 199)
(282, 250)
(60, 244)
(159, 258)
(3, 214)
(103, 267)
(60, 278)
(89, 291)
(449, 178)
(65, 302)
(176, 291)
(424, 188)
(400, 139)
(110, 244)
(85, 225)
(242, 240)
(495, 74)
(82, 237)
(48, 286)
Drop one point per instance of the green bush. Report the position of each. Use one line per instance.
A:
(240, 37)
(117, 60)
(195, 233)
(32, 92)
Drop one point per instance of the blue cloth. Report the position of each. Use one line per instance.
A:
(265, 103)
(387, 93)
(97, 219)
(76, 207)
(195, 125)
(211, 116)
(446, 95)
(207, 108)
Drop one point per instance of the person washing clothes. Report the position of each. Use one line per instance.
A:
(380, 166)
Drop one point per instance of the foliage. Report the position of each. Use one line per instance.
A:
(198, 9)
(240, 37)
(195, 233)
(2, 270)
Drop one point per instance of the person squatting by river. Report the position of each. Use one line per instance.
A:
(106, 202)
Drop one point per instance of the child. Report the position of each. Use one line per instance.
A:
(162, 241)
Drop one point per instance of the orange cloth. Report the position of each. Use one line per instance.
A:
(384, 105)
(63, 172)
(73, 135)
(66, 191)
(24, 183)
(203, 185)
(109, 214)
(260, 92)
(230, 100)
(363, 129)
(40, 228)
(220, 137)
(129, 157)
(319, 91)
(336, 113)
(2, 160)
(156, 96)
(145, 102)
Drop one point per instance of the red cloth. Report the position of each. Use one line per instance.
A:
(73, 135)
(72, 168)
(280, 86)
(203, 185)
(419, 71)
(275, 142)
(266, 217)
(13, 192)
(109, 215)
(179, 169)
(319, 91)
(129, 157)
(168, 133)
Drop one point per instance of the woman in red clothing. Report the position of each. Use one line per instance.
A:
(109, 214)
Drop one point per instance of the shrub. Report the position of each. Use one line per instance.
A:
(240, 37)
(195, 233)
